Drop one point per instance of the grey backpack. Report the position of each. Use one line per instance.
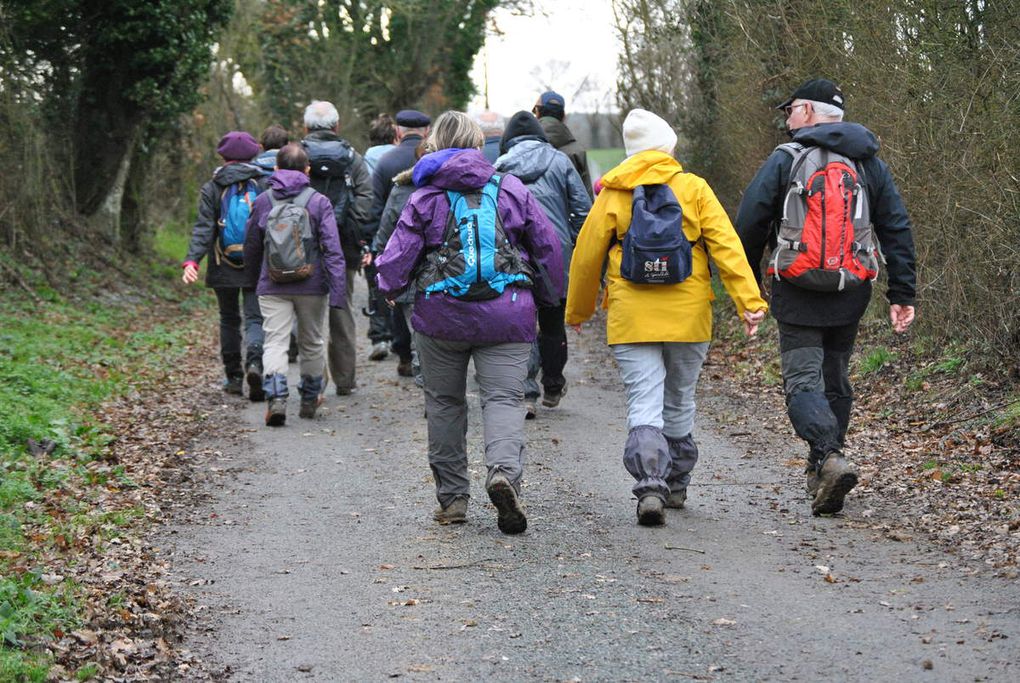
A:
(291, 248)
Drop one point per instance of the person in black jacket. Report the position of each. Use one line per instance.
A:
(817, 329)
(226, 278)
(345, 180)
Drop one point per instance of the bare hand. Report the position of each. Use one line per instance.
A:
(576, 328)
(366, 259)
(751, 321)
(391, 303)
(190, 274)
(901, 317)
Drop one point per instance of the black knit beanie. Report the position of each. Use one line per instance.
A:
(520, 124)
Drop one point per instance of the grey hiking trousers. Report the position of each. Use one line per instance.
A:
(500, 370)
(340, 351)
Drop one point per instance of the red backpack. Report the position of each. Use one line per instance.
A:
(825, 240)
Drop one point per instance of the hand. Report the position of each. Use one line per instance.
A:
(576, 328)
(751, 321)
(391, 303)
(901, 316)
(366, 259)
(190, 274)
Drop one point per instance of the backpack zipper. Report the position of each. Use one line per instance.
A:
(478, 248)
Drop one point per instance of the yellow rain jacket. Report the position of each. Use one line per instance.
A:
(657, 313)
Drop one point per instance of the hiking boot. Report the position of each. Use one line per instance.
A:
(234, 385)
(276, 412)
(309, 406)
(454, 513)
(404, 368)
(811, 483)
(254, 378)
(835, 479)
(510, 515)
(530, 410)
(677, 499)
(650, 511)
(379, 351)
(551, 399)
(344, 391)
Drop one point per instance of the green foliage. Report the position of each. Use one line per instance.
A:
(876, 360)
(28, 606)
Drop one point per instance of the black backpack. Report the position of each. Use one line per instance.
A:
(331, 162)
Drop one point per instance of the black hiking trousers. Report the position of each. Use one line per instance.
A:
(816, 381)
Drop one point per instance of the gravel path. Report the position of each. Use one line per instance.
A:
(316, 559)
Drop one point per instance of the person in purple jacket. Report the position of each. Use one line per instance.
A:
(495, 332)
(305, 300)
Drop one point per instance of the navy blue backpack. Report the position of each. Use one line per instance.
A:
(655, 249)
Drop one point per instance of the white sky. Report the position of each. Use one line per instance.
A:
(573, 40)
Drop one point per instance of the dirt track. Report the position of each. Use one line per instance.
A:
(317, 559)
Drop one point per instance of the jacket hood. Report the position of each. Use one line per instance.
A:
(849, 139)
(288, 183)
(404, 177)
(557, 131)
(453, 169)
(527, 159)
(644, 168)
(228, 174)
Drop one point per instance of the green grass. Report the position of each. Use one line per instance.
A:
(875, 360)
(59, 360)
(601, 160)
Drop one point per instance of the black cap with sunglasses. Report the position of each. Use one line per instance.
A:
(816, 90)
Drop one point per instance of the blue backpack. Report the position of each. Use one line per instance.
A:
(655, 249)
(475, 261)
(235, 206)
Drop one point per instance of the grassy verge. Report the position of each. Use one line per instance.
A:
(62, 356)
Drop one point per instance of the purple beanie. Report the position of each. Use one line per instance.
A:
(237, 145)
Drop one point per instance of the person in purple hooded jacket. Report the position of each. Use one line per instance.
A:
(305, 300)
(450, 330)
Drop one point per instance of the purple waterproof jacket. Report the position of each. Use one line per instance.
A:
(329, 275)
(511, 316)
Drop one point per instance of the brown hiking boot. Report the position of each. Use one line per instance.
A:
(835, 480)
(530, 411)
(551, 399)
(276, 412)
(454, 513)
(677, 499)
(510, 515)
(404, 369)
(650, 511)
(811, 483)
(309, 406)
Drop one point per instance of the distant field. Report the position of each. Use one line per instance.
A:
(601, 160)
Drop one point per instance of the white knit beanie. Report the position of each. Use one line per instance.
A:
(643, 130)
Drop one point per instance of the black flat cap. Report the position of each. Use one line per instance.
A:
(411, 118)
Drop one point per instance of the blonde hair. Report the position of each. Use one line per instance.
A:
(455, 129)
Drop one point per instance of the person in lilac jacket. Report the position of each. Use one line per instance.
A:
(496, 333)
(305, 300)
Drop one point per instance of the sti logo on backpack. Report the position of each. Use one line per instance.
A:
(291, 250)
(235, 207)
(825, 239)
(476, 261)
(655, 249)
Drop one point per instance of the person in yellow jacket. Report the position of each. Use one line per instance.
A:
(659, 333)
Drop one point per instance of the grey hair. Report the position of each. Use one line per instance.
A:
(829, 111)
(455, 129)
(491, 123)
(321, 115)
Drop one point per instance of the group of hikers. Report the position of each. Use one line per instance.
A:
(480, 241)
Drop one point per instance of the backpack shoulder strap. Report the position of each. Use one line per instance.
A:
(304, 197)
(791, 148)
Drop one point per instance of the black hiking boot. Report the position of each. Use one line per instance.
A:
(276, 412)
(510, 515)
(234, 385)
(454, 513)
(309, 406)
(650, 511)
(551, 399)
(835, 479)
(404, 368)
(253, 375)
